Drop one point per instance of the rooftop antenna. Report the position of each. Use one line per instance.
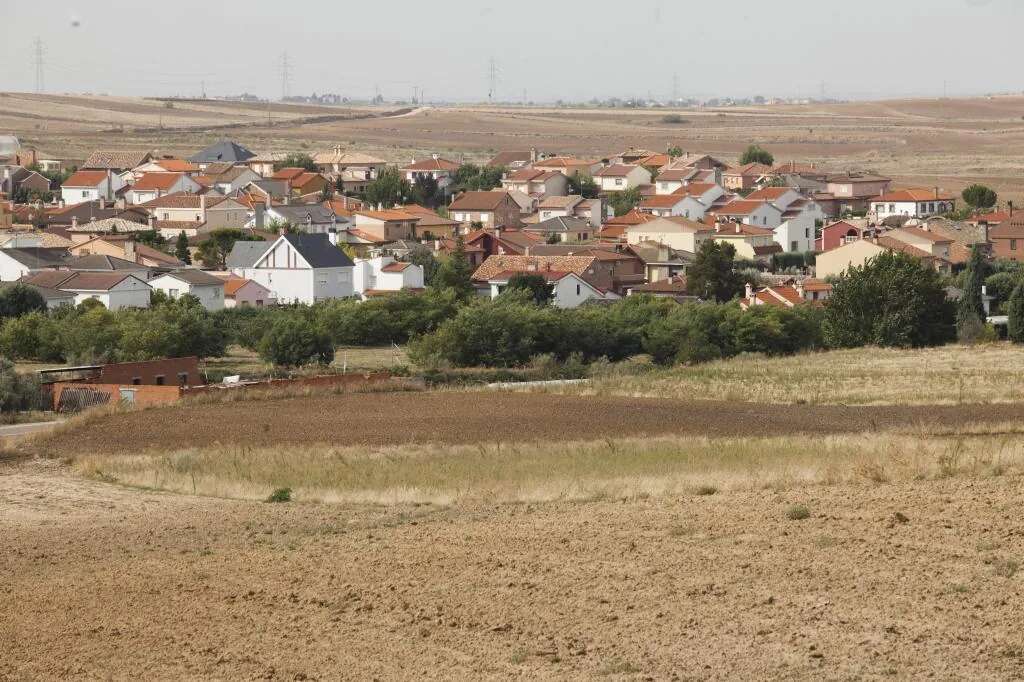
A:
(492, 75)
(285, 76)
(675, 87)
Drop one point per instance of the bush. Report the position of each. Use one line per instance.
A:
(673, 119)
(19, 392)
(1000, 286)
(1015, 311)
(19, 299)
(798, 512)
(292, 342)
(280, 495)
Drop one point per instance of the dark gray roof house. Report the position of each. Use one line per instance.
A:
(225, 150)
(39, 258)
(560, 225)
(245, 254)
(318, 251)
(99, 263)
(196, 277)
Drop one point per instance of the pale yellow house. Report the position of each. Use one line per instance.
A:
(924, 239)
(854, 254)
(675, 232)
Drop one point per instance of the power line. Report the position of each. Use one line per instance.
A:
(40, 85)
(492, 76)
(285, 76)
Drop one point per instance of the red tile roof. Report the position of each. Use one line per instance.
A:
(432, 165)
(914, 194)
(85, 179)
(156, 181)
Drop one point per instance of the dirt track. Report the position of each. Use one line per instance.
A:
(453, 418)
(102, 582)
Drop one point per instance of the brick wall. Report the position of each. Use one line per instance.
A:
(148, 372)
(142, 395)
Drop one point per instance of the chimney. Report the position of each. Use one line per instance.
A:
(533, 155)
(202, 205)
(332, 236)
(1009, 205)
(74, 222)
(103, 203)
(152, 222)
(800, 289)
(129, 249)
(497, 233)
(749, 291)
(936, 192)
(435, 156)
(737, 227)
(110, 183)
(259, 210)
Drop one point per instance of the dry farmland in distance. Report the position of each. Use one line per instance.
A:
(945, 142)
(489, 535)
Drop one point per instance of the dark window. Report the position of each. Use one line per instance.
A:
(136, 381)
(1013, 245)
(183, 378)
(159, 379)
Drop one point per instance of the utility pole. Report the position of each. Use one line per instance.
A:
(202, 88)
(675, 87)
(285, 76)
(40, 85)
(492, 76)
(822, 91)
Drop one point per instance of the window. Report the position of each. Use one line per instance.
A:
(807, 233)
(892, 208)
(183, 378)
(136, 381)
(173, 293)
(618, 182)
(1013, 245)
(793, 246)
(159, 380)
(85, 193)
(577, 289)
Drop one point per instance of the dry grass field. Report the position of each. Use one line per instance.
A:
(946, 142)
(489, 535)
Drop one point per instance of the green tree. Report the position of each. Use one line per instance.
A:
(18, 392)
(625, 201)
(536, 286)
(674, 152)
(213, 252)
(424, 257)
(712, 275)
(1000, 286)
(470, 177)
(18, 299)
(971, 309)
(296, 160)
(979, 196)
(181, 249)
(584, 186)
(755, 154)
(892, 300)
(388, 189)
(456, 273)
(292, 341)
(1015, 310)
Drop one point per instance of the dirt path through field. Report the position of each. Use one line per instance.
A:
(378, 419)
(102, 582)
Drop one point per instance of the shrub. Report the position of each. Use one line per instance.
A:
(798, 512)
(292, 342)
(280, 495)
(1015, 311)
(19, 299)
(19, 392)
(673, 119)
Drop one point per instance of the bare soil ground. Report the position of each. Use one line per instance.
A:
(946, 142)
(381, 419)
(910, 580)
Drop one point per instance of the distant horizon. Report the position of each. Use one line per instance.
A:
(875, 51)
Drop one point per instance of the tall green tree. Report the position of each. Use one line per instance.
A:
(389, 189)
(292, 341)
(892, 300)
(755, 154)
(971, 308)
(712, 275)
(533, 284)
(1015, 311)
(470, 177)
(979, 196)
(584, 186)
(455, 272)
(214, 251)
(625, 201)
(19, 299)
(181, 251)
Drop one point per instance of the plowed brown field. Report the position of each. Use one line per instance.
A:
(466, 417)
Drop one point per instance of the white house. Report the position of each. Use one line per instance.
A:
(620, 177)
(243, 293)
(912, 203)
(155, 185)
(296, 268)
(383, 274)
(207, 288)
(310, 218)
(441, 170)
(568, 289)
(752, 212)
(91, 185)
(115, 290)
(17, 262)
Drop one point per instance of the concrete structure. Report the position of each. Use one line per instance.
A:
(384, 275)
(204, 286)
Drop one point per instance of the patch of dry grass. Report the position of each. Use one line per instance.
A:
(948, 375)
(557, 471)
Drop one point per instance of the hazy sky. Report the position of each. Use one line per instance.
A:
(553, 50)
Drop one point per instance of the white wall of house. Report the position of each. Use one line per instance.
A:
(210, 296)
(369, 273)
(795, 235)
(668, 233)
(290, 278)
(569, 292)
(251, 294)
(766, 215)
(128, 293)
(636, 177)
(10, 269)
(912, 209)
(836, 261)
(183, 184)
(104, 190)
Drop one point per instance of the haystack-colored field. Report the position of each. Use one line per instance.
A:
(947, 142)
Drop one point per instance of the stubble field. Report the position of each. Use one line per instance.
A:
(472, 534)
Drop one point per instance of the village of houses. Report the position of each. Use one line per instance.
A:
(314, 238)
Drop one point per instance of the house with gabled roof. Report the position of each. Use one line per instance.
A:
(854, 254)
(751, 242)
(513, 159)
(116, 161)
(16, 262)
(383, 275)
(562, 228)
(126, 247)
(573, 278)
(349, 165)
(574, 206)
(616, 266)
(536, 182)
(746, 176)
(672, 231)
(224, 151)
(489, 209)
(115, 290)
(300, 181)
(430, 225)
(921, 237)
(90, 185)
(912, 202)
(751, 212)
(193, 282)
(620, 177)
(388, 225)
(568, 165)
(502, 241)
(152, 186)
(245, 293)
(799, 292)
(440, 170)
(296, 268)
